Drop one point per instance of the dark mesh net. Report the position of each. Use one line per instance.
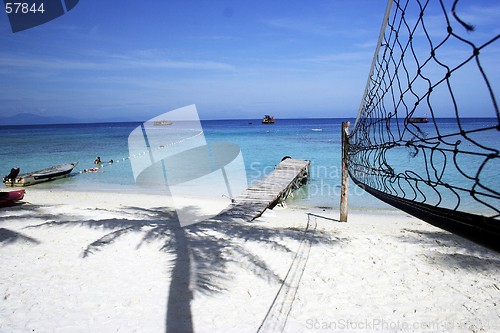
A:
(415, 143)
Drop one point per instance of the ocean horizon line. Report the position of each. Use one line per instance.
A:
(107, 122)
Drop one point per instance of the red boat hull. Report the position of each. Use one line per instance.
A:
(9, 198)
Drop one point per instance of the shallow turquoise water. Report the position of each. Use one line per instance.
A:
(262, 146)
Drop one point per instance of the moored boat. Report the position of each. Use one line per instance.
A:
(44, 175)
(162, 123)
(268, 119)
(418, 120)
(10, 198)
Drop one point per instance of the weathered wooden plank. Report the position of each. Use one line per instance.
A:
(287, 175)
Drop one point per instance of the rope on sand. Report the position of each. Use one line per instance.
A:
(277, 315)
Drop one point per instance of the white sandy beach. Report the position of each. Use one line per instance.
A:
(118, 262)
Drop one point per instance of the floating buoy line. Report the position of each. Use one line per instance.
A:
(103, 165)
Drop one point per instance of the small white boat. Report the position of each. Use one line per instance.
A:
(52, 173)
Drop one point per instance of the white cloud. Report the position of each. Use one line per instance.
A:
(105, 62)
(298, 25)
(342, 57)
(480, 15)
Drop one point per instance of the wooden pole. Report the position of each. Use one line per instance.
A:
(345, 175)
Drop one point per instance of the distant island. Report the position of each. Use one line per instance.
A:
(34, 119)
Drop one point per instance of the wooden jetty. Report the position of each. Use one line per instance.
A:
(287, 176)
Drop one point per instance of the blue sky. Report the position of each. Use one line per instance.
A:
(233, 59)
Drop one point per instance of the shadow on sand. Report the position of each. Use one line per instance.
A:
(9, 237)
(202, 251)
(456, 251)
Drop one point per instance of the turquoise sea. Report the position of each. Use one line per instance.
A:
(35, 147)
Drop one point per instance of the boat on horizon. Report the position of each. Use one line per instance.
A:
(40, 176)
(268, 119)
(162, 123)
(418, 120)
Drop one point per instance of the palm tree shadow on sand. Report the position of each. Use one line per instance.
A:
(8, 236)
(202, 251)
